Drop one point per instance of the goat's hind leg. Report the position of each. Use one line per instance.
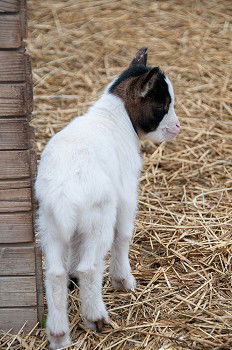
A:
(84, 267)
(96, 242)
(92, 306)
(55, 250)
(89, 272)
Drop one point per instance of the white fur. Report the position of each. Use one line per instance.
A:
(87, 189)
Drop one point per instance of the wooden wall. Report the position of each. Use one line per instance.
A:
(20, 259)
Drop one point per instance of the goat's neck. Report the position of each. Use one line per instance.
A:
(112, 108)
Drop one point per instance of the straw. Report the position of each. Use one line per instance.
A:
(182, 245)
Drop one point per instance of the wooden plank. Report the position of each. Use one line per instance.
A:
(15, 195)
(17, 260)
(10, 31)
(23, 16)
(13, 66)
(15, 99)
(14, 164)
(16, 228)
(39, 282)
(25, 183)
(14, 318)
(17, 291)
(9, 5)
(15, 200)
(14, 134)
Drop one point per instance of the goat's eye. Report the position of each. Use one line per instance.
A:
(162, 109)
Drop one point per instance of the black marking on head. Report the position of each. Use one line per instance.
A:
(155, 106)
(150, 120)
(144, 92)
(132, 71)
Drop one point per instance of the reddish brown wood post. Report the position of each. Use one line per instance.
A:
(20, 260)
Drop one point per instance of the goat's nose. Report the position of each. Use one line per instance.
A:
(178, 124)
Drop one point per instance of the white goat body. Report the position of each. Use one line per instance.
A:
(87, 190)
(86, 183)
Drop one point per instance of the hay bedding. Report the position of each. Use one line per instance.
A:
(181, 251)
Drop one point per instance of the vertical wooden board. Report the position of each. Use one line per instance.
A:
(17, 291)
(16, 228)
(14, 134)
(17, 260)
(39, 282)
(15, 99)
(13, 66)
(9, 6)
(10, 31)
(14, 318)
(16, 164)
(23, 16)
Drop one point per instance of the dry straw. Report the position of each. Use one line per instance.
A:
(181, 251)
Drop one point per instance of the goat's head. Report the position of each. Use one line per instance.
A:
(148, 97)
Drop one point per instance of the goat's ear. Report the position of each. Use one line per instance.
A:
(140, 57)
(150, 81)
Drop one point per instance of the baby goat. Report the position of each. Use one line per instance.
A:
(87, 190)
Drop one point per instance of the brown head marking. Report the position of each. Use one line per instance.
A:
(144, 92)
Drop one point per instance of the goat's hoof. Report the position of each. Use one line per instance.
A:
(128, 283)
(57, 335)
(97, 325)
(58, 340)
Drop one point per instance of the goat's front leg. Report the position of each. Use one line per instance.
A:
(92, 306)
(120, 269)
(56, 292)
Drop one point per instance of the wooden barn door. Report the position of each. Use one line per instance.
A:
(20, 260)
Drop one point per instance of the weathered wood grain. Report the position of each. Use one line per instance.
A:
(17, 291)
(7, 184)
(14, 164)
(16, 228)
(17, 260)
(10, 31)
(23, 15)
(39, 282)
(9, 5)
(14, 66)
(15, 200)
(15, 99)
(14, 319)
(14, 134)
(20, 260)
(15, 195)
